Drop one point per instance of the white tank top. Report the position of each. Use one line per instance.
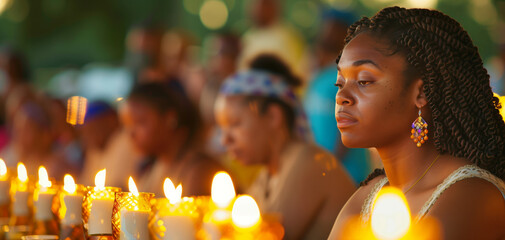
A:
(468, 171)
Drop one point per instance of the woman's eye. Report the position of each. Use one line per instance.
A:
(339, 85)
(364, 83)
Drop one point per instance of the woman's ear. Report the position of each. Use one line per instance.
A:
(419, 96)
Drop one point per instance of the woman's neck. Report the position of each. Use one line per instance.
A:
(404, 162)
(279, 147)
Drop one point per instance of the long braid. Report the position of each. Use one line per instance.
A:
(466, 119)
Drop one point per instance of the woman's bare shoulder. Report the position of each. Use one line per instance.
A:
(471, 209)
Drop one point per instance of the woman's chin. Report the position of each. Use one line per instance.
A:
(352, 143)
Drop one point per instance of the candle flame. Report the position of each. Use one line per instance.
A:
(44, 178)
(69, 184)
(245, 212)
(133, 187)
(100, 179)
(171, 193)
(22, 174)
(390, 214)
(3, 170)
(223, 191)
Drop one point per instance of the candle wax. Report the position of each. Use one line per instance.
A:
(43, 207)
(178, 228)
(73, 213)
(20, 204)
(212, 230)
(4, 192)
(134, 225)
(100, 217)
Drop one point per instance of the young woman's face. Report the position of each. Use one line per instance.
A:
(245, 132)
(147, 127)
(374, 104)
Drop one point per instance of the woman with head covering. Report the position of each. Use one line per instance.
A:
(263, 124)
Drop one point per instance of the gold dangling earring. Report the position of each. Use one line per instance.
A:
(419, 130)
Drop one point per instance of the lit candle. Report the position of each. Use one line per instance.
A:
(222, 195)
(101, 209)
(20, 199)
(72, 202)
(4, 183)
(134, 222)
(390, 215)
(177, 223)
(43, 198)
(245, 214)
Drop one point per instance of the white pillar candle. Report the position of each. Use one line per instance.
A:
(100, 216)
(73, 213)
(20, 204)
(178, 228)
(134, 225)
(4, 192)
(43, 206)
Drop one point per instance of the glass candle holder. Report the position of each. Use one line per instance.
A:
(97, 210)
(70, 213)
(130, 216)
(174, 221)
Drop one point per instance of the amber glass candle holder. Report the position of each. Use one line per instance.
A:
(130, 216)
(174, 221)
(98, 200)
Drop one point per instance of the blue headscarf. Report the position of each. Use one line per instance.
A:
(264, 84)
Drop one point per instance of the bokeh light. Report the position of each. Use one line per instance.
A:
(192, 6)
(76, 110)
(422, 3)
(304, 13)
(214, 14)
(4, 5)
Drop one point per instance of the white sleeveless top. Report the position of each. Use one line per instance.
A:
(468, 171)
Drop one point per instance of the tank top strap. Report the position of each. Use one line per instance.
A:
(366, 209)
(465, 172)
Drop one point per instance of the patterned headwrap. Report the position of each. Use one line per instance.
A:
(264, 84)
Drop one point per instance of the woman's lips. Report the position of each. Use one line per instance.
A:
(345, 120)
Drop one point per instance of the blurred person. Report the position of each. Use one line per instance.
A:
(13, 73)
(263, 124)
(319, 98)
(34, 140)
(223, 51)
(165, 125)
(66, 136)
(143, 46)
(107, 145)
(269, 34)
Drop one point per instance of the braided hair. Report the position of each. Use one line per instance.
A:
(466, 119)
